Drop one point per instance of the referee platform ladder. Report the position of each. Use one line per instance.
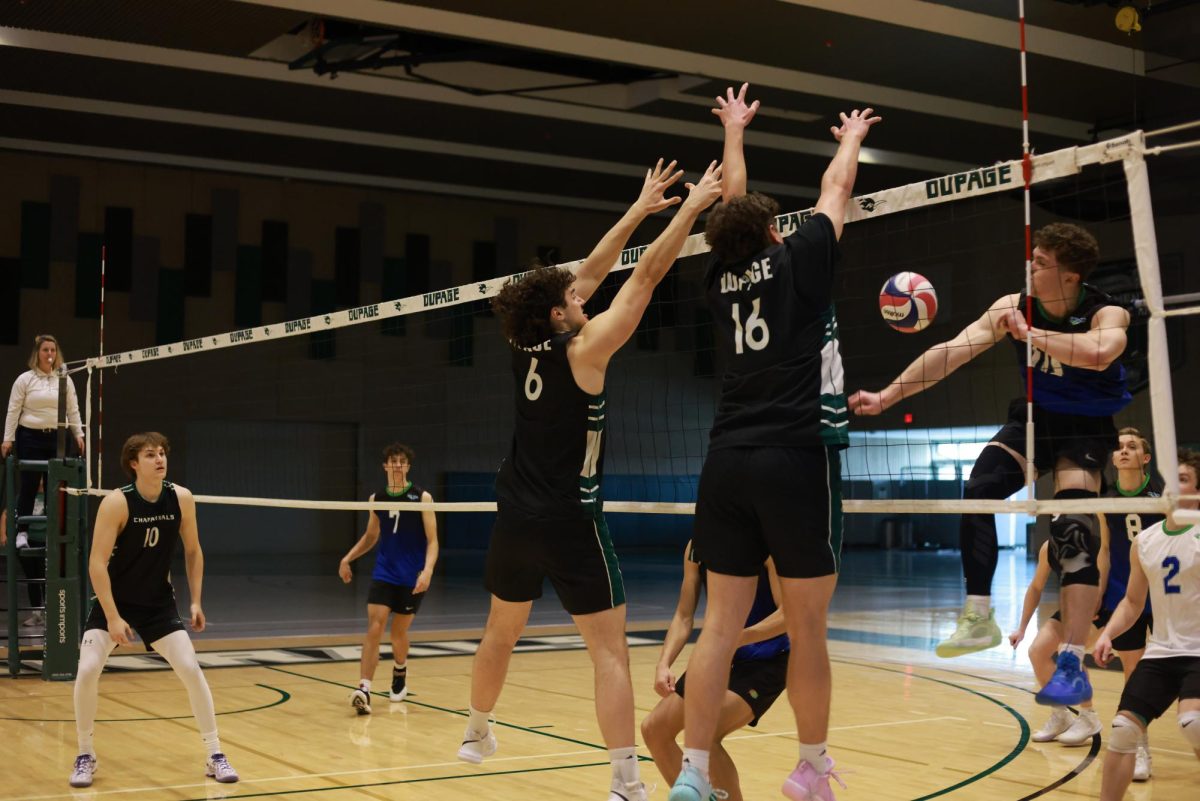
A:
(59, 538)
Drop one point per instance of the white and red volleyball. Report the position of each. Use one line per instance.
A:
(908, 302)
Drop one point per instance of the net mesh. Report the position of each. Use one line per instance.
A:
(301, 409)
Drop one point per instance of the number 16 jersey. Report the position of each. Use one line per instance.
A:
(553, 470)
(778, 335)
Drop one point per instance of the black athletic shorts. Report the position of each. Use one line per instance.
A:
(1134, 638)
(1086, 441)
(1156, 683)
(758, 682)
(576, 555)
(785, 503)
(150, 622)
(397, 597)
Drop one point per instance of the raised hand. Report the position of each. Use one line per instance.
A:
(856, 125)
(732, 109)
(707, 189)
(658, 180)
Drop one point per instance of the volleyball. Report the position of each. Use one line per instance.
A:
(908, 302)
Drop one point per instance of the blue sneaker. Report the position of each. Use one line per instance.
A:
(1068, 686)
(690, 786)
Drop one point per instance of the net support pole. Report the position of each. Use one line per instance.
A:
(100, 390)
(1145, 247)
(1027, 174)
(87, 430)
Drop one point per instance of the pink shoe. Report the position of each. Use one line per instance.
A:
(805, 784)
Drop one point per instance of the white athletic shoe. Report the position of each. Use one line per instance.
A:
(22, 540)
(34, 621)
(360, 699)
(1083, 729)
(85, 769)
(1060, 720)
(477, 746)
(218, 768)
(399, 689)
(974, 632)
(620, 791)
(1141, 764)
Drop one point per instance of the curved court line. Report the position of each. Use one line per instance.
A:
(444, 709)
(1073, 772)
(284, 697)
(1013, 754)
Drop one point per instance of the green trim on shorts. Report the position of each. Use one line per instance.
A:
(616, 584)
(836, 522)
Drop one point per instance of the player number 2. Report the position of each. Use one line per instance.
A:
(755, 335)
(1171, 562)
(533, 382)
(151, 537)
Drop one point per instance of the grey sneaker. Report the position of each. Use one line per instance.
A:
(85, 769)
(218, 768)
(974, 633)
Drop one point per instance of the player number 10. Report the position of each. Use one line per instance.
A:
(151, 537)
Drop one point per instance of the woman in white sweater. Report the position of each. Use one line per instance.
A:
(32, 427)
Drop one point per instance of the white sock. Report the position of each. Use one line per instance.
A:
(624, 764)
(815, 756)
(478, 722)
(211, 742)
(365, 685)
(403, 668)
(1078, 650)
(697, 759)
(979, 604)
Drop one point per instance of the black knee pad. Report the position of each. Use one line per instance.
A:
(1075, 543)
(995, 475)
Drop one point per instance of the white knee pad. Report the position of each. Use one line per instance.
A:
(1125, 735)
(1189, 724)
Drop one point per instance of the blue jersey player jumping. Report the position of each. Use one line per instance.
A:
(1077, 335)
(408, 550)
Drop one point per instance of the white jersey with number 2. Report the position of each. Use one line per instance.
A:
(1171, 561)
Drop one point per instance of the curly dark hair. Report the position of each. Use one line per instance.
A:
(524, 304)
(737, 229)
(1074, 248)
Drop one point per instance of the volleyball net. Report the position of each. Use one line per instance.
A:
(291, 416)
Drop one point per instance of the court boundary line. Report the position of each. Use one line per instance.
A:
(284, 697)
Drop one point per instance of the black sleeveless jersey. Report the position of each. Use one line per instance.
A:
(140, 565)
(554, 467)
(1062, 388)
(778, 334)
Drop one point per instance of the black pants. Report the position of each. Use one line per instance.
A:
(34, 444)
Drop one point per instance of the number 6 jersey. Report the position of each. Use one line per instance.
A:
(1171, 560)
(553, 470)
(140, 565)
(778, 337)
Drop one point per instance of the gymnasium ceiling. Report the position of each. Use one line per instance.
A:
(206, 84)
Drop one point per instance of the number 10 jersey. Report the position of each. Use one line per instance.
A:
(140, 566)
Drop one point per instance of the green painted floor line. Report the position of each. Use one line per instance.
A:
(1013, 754)
(284, 697)
(404, 781)
(446, 709)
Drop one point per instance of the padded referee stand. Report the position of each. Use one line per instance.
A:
(59, 536)
(66, 557)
